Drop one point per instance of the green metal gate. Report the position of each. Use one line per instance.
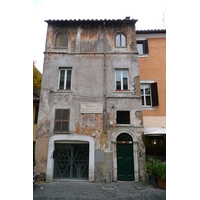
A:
(71, 161)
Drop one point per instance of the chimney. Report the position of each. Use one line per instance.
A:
(127, 18)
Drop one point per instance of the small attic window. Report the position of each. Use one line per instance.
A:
(120, 40)
(61, 40)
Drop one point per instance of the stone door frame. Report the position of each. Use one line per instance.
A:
(70, 138)
(135, 153)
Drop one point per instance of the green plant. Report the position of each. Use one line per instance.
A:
(150, 164)
(160, 170)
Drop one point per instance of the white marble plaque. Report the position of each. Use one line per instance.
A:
(91, 108)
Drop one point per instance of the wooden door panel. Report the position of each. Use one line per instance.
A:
(125, 166)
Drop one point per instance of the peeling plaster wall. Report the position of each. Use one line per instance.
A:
(85, 56)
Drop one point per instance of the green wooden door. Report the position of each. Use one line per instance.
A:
(125, 165)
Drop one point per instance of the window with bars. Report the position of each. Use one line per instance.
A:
(120, 40)
(64, 82)
(61, 40)
(121, 80)
(123, 117)
(61, 120)
(149, 94)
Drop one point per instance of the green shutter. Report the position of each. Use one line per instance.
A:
(154, 94)
(145, 45)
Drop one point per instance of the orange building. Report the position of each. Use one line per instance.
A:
(151, 45)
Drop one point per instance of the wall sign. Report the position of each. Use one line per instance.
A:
(91, 108)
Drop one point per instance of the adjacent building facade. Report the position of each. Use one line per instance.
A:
(151, 45)
(90, 123)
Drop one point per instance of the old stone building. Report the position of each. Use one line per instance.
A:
(90, 122)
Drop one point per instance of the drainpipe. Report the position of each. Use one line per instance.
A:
(104, 91)
(111, 124)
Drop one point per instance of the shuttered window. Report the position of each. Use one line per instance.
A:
(61, 120)
(142, 46)
(149, 94)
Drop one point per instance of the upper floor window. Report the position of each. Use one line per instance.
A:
(142, 47)
(146, 94)
(123, 117)
(149, 94)
(121, 79)
(61, 123)
(61, 40)
(120, 40)
(64, 82)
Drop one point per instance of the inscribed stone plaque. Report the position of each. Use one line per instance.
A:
(91, 108)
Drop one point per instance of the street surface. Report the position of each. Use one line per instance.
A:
(97, 190)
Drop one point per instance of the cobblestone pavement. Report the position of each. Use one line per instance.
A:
(97, 190)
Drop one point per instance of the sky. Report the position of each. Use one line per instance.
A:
(149, 14)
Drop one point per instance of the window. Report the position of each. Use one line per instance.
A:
(61, 40)
(36, 114)
(142, 46)
(64, 82)
(61, 120)
(149, 94)
(123, 117)
(121, 79)
(120, 40)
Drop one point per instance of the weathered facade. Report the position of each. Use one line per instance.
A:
(90, 122)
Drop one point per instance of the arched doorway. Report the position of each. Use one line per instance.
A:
(125, 164)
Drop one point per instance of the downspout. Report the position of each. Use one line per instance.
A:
(111, 151)
(104, 91)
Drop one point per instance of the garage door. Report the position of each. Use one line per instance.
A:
(71, 161)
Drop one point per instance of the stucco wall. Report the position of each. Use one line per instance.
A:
(153, 67)
(86, 58)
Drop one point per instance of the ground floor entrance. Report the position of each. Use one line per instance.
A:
(125, 165)
(71, 161)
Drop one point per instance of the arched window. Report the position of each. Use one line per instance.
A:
(120, 40)
(124, 137)
(61, 40)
